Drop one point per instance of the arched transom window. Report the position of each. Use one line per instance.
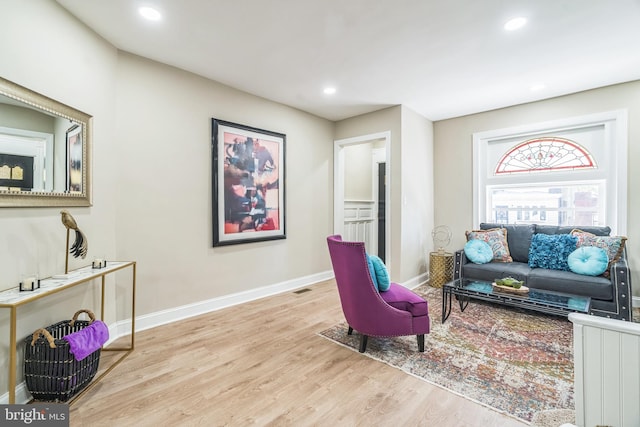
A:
(568, 172)
(545, 154)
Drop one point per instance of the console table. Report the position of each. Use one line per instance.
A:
(13, 298)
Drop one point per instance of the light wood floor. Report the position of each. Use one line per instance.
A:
(262, 363)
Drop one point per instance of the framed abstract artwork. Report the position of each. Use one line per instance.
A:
(248, 184)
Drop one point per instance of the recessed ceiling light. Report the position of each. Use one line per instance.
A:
(537, 86)
(329, 90)
(515, 23)
(149, 13)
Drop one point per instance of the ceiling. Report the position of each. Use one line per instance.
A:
(442, 59)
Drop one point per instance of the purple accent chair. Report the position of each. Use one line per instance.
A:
(391, 313)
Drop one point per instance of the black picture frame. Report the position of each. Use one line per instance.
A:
(248, 180)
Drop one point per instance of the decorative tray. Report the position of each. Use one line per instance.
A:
(522, 290)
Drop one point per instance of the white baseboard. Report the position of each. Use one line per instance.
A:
(148, 321)
(175, 314)
(636, 302)
(417, 281)
(22, 395)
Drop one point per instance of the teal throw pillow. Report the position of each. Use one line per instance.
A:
(478, 251)
(372, 271)
(381, 273)
(551, 251)
(588, 260)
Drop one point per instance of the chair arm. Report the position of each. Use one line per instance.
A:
(459, 260)
(621, 281)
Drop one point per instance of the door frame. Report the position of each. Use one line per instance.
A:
(338, 184)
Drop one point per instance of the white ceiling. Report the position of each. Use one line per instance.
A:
(441, 58)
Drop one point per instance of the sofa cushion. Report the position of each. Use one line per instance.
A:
(518, 238)
(478, 251)
(570, 283)
(551, 251)
(555, 229)
(497, 239)
(589, 260)
(496, 270)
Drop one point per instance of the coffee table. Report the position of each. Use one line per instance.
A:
(536, 299)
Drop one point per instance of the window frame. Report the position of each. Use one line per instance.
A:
(615, 125)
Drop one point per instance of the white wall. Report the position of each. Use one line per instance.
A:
(417, 192)
(45, 49)
(164, 189)
(151, 176)
(454, 155)
(410, 178)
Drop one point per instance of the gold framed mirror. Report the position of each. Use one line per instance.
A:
(45, 150)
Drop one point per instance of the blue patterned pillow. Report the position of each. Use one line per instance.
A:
(497, 240)
(478, 251)
(613, 245)
(551, 251)
(588, 260)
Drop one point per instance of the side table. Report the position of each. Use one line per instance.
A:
(440, 268)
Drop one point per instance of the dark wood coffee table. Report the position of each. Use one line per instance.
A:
(536, 299)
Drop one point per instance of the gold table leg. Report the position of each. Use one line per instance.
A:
(12, 357)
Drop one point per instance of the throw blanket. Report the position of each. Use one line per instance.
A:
(87, 340)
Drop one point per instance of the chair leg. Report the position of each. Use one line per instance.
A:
(350, 331)
(421, 343)
(363, 343)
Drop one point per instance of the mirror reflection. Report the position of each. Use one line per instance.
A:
(44, 150)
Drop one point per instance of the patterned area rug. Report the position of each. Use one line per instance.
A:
(516, 362)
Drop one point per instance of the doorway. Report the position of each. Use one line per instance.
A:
(361, 191)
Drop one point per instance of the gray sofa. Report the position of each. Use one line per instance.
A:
(610, 296)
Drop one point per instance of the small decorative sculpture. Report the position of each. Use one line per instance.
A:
(441, 235)
(80, 245)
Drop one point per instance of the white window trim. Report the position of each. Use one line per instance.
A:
(616, 126)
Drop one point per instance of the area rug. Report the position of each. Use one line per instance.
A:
(514, 361)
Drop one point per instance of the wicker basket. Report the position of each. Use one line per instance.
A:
(51, 372)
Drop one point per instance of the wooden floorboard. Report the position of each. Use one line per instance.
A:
(262, 363)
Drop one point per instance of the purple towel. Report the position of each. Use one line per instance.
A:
(87, 340)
